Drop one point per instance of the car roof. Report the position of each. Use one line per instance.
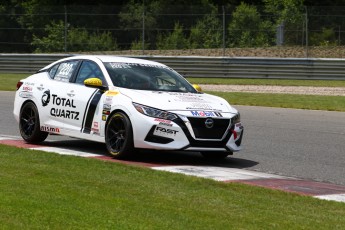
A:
(106, 58)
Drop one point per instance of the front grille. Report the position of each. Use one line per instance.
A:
(202, 132)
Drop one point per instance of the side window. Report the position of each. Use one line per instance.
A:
(65, 71)
(87, 70)
(53, 70)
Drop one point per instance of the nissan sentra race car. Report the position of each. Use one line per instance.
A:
(127, 104)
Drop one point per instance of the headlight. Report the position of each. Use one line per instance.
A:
(152, 112)
(236, 118)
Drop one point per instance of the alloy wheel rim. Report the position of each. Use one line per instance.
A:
(28, 121)
(116, 135)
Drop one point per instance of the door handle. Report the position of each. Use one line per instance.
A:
(71, 93)
(40, 88)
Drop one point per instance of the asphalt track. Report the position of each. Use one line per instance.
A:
(309, 145)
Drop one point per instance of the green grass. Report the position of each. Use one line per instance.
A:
(41, 190)
(9, 81)
(313, 102)
(281, 82)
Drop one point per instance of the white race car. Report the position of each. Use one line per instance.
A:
(125, 103)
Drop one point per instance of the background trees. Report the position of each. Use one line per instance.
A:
(58, 26)
(248, 29)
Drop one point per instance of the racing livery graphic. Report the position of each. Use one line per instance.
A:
(46, 98)
(126, 103)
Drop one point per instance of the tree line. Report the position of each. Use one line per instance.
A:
(58, 26)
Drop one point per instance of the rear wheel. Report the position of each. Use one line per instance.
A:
(29, 124)
(119, 136)
(215, 155)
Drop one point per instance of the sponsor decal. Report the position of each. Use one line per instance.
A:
(25, 94)
(106, 107)
(115, 65)
(206, 114)
(161, 131)
(177, 94)
(108, 100)
(188, 98)
(106, 112)
(29, 83)
(55, 112)
(61, 102)
(111, 93)
(27, 88)
(164, 122)
(50, 129)
(200, 106)
(120, 66)
(95, 127)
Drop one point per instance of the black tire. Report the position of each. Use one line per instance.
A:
(29, 124)
(119, 136)
(215, 155)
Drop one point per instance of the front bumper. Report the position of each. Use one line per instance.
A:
(187, 133)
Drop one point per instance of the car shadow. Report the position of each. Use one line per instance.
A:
(189, 158)
(151, 157)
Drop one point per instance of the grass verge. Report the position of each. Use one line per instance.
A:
(40, 190)
(332, 103)
(9, 81)
(280, 82)
(313, 102)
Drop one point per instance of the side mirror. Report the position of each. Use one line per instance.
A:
(197, 87)
(94, 83)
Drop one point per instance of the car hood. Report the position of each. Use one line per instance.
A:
(176, 101)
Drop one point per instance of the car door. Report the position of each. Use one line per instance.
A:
(55, 105)
(85, 99)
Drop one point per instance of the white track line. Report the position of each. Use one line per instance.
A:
(218, 173)
(3, 138)
(66, 152)
(334, 197)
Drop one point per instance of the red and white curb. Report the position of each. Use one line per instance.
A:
(325, 191)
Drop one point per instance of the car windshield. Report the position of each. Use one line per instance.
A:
(147, 77)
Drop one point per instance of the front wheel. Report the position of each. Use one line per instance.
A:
(119, 136)
(215, 155)
(29, 124)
